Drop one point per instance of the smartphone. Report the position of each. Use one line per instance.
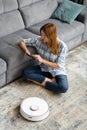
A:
(30, 56)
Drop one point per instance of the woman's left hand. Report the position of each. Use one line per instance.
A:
(46, 62)
(38, 57)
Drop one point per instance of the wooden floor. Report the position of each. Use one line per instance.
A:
(68, 111)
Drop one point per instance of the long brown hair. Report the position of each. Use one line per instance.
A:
(50, 30)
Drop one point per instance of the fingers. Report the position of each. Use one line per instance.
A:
(38, 57)
(27, 52)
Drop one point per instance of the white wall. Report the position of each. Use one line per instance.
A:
(85, 2)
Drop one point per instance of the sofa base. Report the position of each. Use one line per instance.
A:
(2, 72)
(15, 73)
(2, 79)
(74, 42)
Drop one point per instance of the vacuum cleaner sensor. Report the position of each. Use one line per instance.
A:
(34, 109)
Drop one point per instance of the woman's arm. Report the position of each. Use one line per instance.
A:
(46, 62)
(24, 47)
(50, 64)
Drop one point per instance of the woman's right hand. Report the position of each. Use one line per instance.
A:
(27, 52)
(23, 46)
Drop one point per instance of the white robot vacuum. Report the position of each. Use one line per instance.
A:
(34, 109)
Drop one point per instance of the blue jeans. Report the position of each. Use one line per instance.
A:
(34, 73)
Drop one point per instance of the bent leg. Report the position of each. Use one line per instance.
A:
(60, 86)
(34, 73)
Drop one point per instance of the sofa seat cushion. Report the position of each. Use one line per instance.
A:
(65, 31)
(12, 53)
(3, 66)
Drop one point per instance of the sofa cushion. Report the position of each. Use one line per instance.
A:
(2, 44)
(75, 42)
(13, 54)
(65, 31)
(23, 3)
(67, 11)
(13, 38)
(14, 23)
(8, 5)
(38, 11)
(10, 17)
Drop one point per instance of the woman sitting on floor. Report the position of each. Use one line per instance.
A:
(51, 55)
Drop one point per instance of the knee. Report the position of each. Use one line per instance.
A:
(64, 88)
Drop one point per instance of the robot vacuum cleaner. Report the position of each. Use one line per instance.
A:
(34, 109)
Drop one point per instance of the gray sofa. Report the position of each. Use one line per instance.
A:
(22, 19)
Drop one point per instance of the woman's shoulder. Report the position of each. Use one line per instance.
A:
(63, 45)
(38, 37)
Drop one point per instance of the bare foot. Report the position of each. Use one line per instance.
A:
(48, 80)
(44, 82)
(35, 82)
(53, 80)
